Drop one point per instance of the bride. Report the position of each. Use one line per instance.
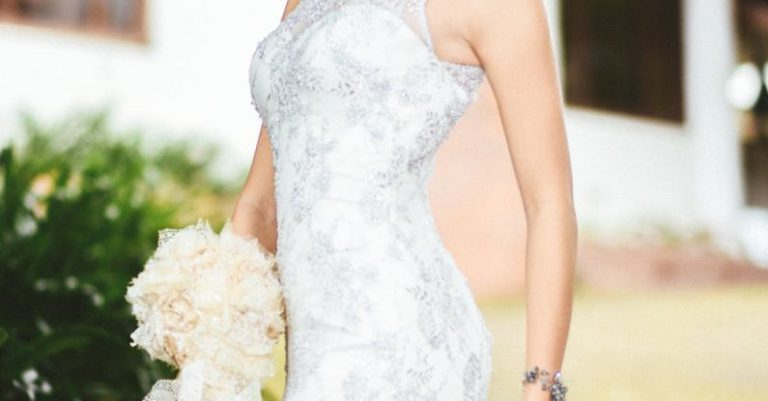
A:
(355, 97)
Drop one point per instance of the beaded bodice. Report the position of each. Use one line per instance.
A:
(277, 44)
(357, 76)
(357, 103)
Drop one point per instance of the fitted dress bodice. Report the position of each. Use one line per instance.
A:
(355, 93)
(356, 104)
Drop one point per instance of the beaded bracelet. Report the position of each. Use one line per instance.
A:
(555, 385)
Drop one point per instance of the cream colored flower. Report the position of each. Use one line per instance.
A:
(181, 317)
(214, 300)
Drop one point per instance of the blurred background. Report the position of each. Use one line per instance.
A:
(122, 117)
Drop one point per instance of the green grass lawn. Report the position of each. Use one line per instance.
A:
(676, 345)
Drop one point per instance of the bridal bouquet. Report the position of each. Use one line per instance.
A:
(212, 306)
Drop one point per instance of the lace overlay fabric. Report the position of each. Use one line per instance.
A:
(356, 104)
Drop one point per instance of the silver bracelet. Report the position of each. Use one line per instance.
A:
(554, 385)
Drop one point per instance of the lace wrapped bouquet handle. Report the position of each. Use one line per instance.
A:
(212, 306)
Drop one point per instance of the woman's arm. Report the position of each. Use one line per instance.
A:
(255, 210)
(511, 40)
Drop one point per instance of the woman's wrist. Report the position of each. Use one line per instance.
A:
(532, 393)
(542, 382)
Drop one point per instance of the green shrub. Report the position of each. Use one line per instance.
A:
(80, 208)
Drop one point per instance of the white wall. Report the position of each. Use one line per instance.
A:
(630, 174)
(190, 77)
(710, 57)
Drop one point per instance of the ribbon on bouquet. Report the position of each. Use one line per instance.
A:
(192, 384)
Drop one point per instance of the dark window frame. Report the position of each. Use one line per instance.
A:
(96, 23)
(625, 56)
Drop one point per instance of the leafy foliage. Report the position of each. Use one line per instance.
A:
(80, 208)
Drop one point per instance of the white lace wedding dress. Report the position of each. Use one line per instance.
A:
(357, 103)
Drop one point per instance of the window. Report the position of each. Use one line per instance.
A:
(624, 56)
(752, 30)
(114, 18)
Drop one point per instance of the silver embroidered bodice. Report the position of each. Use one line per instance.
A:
(356, 103)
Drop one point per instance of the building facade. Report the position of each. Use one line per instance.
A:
(654, 141)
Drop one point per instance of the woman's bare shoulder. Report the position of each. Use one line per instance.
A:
(489, 18)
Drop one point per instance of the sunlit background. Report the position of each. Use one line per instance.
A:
(122, 117)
